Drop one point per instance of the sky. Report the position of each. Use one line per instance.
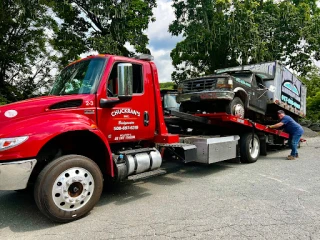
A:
(160, 40)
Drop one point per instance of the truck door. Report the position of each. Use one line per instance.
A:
(127, 120)
(260, 95)
(244, 81)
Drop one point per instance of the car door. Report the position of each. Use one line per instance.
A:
(260, 95)
(243, 80)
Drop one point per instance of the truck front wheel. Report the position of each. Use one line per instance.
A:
(236, 107)
(249, 148)
(68, 188)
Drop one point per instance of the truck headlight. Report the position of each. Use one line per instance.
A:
(6, 143)
(180, 87)
(224, 83)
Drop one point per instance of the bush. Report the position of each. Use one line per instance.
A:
(168, 85)
(3, 101)
(313, 107)
(312, 81)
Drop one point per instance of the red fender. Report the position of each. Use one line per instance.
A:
(42, 128)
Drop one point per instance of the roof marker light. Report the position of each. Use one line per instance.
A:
(146, 57)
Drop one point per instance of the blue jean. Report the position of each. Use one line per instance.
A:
(293, 144)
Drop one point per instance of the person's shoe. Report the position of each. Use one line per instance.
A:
(291, 157)
(297, 156)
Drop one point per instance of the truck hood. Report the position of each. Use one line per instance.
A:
(35, 106)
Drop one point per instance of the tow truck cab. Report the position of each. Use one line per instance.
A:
(111, 93)
(98, 107)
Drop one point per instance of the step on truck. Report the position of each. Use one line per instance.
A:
(102, 122)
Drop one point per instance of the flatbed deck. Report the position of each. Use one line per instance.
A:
(228, 121)
(221, 118)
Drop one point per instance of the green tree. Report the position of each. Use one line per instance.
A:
(313, 107)
(38, 36)
(168, 85)
(312, 81)
(24, 57)
(101, 25)
(221, 33)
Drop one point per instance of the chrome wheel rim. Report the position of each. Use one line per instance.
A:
(238, 110)
(73, 189)
(254, 149)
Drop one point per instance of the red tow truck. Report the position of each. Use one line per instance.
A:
(103, 120)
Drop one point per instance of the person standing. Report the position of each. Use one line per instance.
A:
(294, 130)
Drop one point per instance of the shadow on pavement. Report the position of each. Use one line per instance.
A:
(19, 212)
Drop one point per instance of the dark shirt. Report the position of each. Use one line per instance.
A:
(290, 126)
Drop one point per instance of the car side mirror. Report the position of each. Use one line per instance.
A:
(125, 80)
(125, 85)
(272, 88)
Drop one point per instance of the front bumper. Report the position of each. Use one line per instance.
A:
(205, 95)
(15, 175)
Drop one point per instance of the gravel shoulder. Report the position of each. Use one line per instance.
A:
(308, 133)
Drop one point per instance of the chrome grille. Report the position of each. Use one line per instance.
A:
(198, 85)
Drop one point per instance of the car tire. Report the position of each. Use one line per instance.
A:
(236, 107)
(249, 153)
(68, 188)
(263, 146)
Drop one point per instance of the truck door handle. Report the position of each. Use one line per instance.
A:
(146, 118)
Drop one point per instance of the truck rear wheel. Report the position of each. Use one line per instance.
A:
(236, 107)
(68, 188)
(249, 152)
(263, 145)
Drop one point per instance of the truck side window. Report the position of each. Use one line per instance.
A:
(112, 90)
(137, 78)
(259, 81)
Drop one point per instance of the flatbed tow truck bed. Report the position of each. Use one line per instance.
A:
(225, 120)
(217, 127)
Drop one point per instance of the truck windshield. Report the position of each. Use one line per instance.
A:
(243, 76)
(80, 78)
(170, 102)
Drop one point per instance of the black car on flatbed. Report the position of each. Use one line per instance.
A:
(234, 92)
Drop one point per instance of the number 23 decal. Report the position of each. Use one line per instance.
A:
(89, 103)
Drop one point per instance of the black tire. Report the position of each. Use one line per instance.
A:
(60, 179)
(249, 155)
(187, 107)
(231, 107)
(263, 146)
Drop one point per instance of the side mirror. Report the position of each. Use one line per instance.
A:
(125, 86)
(261, 86)
(272, 88)
(125, 80)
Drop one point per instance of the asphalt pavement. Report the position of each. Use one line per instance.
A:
(273, 198)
